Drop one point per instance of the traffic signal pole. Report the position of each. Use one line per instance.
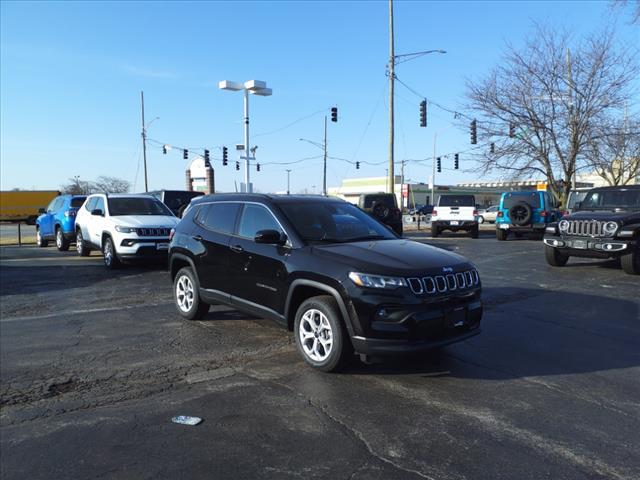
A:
(144, 144)
(433, 174)
(247, 152)
(324, 172)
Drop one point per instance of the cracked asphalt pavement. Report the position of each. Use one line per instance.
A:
(94, 364)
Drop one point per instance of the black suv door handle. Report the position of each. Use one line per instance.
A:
(237, 248)
(197, 238)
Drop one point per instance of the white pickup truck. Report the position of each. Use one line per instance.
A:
(455, 212)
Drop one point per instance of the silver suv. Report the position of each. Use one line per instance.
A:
(124, 227)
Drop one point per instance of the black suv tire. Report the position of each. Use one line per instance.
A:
(311, 325)
(61, 242)
(435, 231)
(474, 232)
(186, 295)
(631, 263)
(554, 257)
(501, 235)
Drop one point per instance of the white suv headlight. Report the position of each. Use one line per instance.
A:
(377, 281)
(122, 229)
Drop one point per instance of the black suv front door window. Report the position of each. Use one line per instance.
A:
(255, 218)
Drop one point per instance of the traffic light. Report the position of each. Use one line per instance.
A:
(439, 165)
(456, 161)
(493, 148)
(334, 114)
(257, 166)
(357, 165)
(512, 130)
(207, 163)
(164, 149)
(423, 113)
(237, 165)
(185, 154)
(474, 132)
(225, 158)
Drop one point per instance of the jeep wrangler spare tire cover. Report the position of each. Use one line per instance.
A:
(520, 213)
(381, 211)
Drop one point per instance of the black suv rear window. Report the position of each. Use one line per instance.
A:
(386, 200)
(457, 201)
(220, 217)
(76, 202)
(532, 198)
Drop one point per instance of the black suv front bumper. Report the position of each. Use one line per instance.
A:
(590, 247)
(388, 327)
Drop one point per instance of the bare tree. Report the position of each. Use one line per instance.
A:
(614, 151)
(111, 185)
(540, 105)
(77, 187)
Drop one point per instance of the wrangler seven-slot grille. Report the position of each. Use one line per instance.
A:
(153, 232)
(587, 228)
(444, 283)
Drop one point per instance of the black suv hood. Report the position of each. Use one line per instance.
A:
(392, 257)
(624, 217)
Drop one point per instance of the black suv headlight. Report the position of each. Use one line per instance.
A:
(563, 226)
(610, 229)
(377, 281)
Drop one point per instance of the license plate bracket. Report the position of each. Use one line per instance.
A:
(580, 244)
(456, 318)
(454, 222)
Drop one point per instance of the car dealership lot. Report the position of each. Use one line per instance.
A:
(95, 363)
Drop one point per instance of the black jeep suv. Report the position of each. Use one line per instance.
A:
(606, 224)
(325, 269)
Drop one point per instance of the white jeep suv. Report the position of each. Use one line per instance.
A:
(124, 227)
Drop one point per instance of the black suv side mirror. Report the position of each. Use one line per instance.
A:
(97, 212)
(271, 237)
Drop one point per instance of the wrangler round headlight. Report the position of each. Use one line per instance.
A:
(610, 228)
(563, 225)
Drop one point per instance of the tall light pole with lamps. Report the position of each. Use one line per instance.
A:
(255, 87)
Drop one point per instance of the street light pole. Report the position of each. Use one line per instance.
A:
(144, 144)
(392, 61)
(433, 173)
(255, 87)
(288, 172)
(247, 152)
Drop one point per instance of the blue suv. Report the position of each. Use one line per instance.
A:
(58, 221)
(525, 212)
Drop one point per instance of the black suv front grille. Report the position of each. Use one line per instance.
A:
(153, 232)
(444, 283)
(587, 228)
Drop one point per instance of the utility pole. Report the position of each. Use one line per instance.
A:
(288, 172)
(324, 173)
(571, 119)
(144, 144)
(390, 180)
(402, 185)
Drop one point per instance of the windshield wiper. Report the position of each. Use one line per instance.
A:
(367, 237)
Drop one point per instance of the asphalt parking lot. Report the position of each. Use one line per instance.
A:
(94, 364)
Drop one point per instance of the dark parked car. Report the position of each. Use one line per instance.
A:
(339, 279)
(176, 200)
(606, 224)
(57, 221)
(383, 207)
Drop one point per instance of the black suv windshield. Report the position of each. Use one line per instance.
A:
(386, 200)
(76, 202)
(333, 222)
(612, 199)
(457, 201)
(137, 206)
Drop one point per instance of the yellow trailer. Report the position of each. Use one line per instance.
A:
(24, 205)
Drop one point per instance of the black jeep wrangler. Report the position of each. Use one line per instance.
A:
(384, 208)
(606, 224)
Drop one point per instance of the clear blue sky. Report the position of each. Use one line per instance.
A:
(71, 75)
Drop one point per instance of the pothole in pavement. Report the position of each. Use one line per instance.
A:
(60, 388)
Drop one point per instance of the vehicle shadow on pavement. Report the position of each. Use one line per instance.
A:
(221, 312)
(531, 333)
(42, 279)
